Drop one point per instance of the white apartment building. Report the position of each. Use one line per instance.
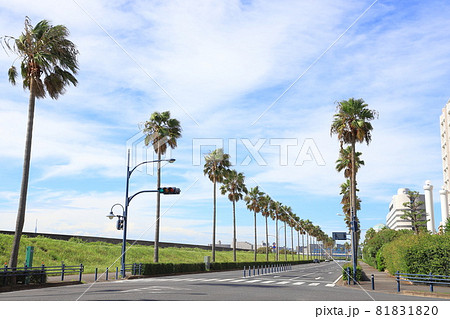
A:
(445, 144)
(396, 210)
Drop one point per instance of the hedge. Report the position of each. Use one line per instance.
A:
(34, 276)
(418, 254)
(170, 268)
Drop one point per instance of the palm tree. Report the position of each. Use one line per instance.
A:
(276, 214)
(308, 229)
(291, 223)
(352, 124)
(344, 162)
(264, 203)
(233, 184)
(216, 167)
(49, 63)
(162, 132)
(285, 218)
(253, 204)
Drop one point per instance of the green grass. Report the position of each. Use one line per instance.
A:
(53, 252)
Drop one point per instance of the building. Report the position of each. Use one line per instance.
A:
(396, 210)
(243, 245)
(445, 148)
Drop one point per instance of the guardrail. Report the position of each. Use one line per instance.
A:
(426, 279)
(25, 273)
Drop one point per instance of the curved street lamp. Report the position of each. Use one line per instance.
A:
(123, 219)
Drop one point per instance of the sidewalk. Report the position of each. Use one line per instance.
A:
(386, 283)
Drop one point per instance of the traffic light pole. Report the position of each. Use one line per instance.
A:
(127, 202)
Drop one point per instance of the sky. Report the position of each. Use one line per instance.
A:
(261, 79)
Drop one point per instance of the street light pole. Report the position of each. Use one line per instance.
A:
(127, 202)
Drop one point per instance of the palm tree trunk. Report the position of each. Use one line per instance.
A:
(214, 225)
(303, 246)
(158, 210)
(298, 245)
(25, 177)
(267, 242)
(285, 243)
(256, 243)
(278, 247)
(292, 243)
(353, 206)
(234, 231)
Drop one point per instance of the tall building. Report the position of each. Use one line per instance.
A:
(445, 144)
(396, 210)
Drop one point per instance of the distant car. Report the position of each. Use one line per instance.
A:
(327, 260)
(316, 261)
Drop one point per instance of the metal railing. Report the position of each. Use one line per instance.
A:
(26, 273)
(134, 268)
(425, 279)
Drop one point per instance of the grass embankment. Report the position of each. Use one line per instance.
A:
(53, 252)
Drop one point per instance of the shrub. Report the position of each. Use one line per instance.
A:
(381, 265)
(418, 254)
(350, 266)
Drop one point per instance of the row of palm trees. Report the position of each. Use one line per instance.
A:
(217, 168)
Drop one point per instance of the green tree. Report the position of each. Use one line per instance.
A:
(253, 204)
(162, 132)
(264, 203)
(352, 124)
(234, 185)
(48, 65)
(276, 214)
(414, 213)
(216, 167)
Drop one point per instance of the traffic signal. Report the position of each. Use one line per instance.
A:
(119, 225)
(169, 190)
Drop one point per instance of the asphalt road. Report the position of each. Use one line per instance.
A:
(308, 282)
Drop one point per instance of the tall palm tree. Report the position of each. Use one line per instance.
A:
(234, 185)
(352, 124)
(308, 229)
(162, 132)
(276, 214)
(264, 202)
(253, 204)
(292, 225)
(48, 65)
(216, 167)
(286, 218)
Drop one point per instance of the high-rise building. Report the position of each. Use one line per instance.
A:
(445, 144)
(396, 210)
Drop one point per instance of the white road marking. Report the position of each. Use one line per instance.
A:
(334, 282)
(314, 284)
(252, 281)
(267, 282)
(329, 285)
(298, 283)
(282, 282)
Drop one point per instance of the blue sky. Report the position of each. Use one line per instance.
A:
(219, 66)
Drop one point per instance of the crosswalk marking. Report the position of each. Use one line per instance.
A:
(244, 280)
